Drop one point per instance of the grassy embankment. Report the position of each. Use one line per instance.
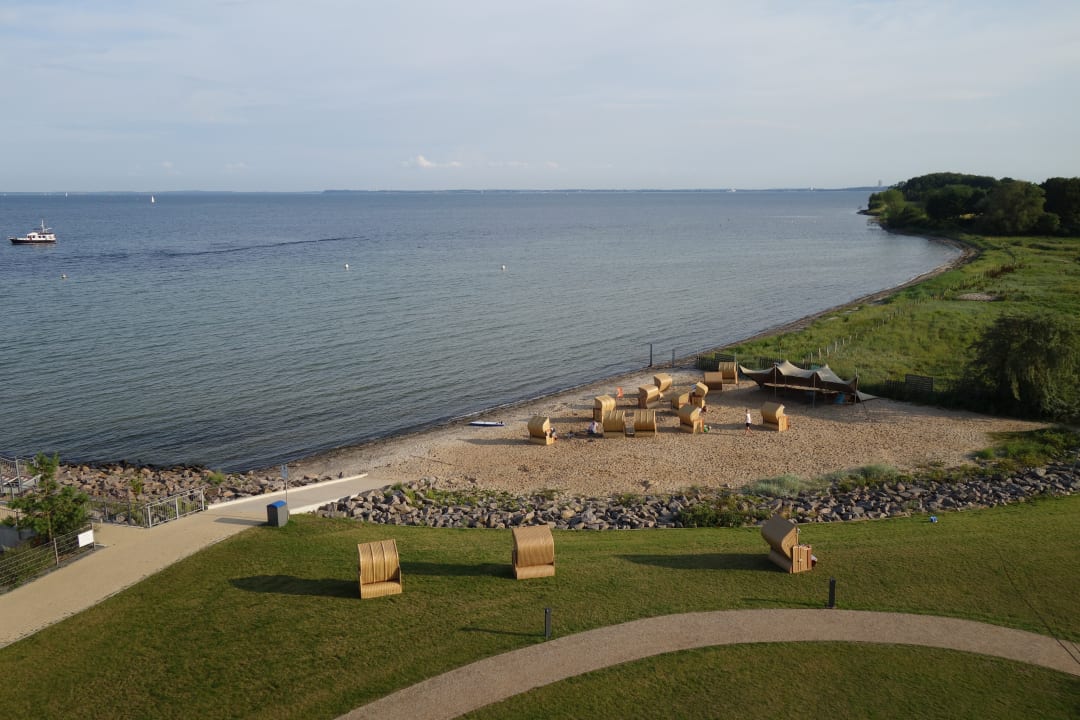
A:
(269, 624)
(926, 329)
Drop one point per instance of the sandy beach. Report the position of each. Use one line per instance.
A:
(821, 439)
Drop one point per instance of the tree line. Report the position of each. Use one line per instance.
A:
(978, 203)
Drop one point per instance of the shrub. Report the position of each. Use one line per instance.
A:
(784, 486)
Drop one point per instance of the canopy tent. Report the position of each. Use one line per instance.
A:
(820, 380)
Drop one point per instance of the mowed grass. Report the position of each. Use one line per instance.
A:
(811, 680)
(269, 622)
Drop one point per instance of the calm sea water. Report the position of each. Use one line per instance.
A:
(226, 329)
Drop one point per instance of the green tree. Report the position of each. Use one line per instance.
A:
(950, 202)
(1030, 366)
(51, 510)
(1015, 207)
(882, 201)
(917, 189)
(1063, 199)
(905, 215)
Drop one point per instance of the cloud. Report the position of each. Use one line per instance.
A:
(169, 168)
(423, 163)
(235, 167)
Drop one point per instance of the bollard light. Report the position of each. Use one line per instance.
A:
(832, 593)
(547, 623)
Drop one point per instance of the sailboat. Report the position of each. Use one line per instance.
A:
(152, 200)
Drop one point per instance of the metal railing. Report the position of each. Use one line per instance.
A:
(14, 480)
(148, 514)
(28, 561)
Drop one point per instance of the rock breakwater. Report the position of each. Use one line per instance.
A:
(422, 503)
(140, 483)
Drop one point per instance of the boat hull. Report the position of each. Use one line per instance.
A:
(32, 241)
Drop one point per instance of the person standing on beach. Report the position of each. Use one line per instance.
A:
(748, 422)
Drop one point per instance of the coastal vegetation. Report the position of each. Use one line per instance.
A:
(997, 334)
(268, 623)
(977, 203)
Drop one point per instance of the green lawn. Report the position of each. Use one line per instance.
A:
(269, 624)
(820, 680)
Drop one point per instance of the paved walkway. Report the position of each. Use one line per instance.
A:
(498, 678)
(130, 554)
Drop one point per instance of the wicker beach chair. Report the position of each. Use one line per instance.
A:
(602, 404)
(729, 373)
(533, 553)
(647, 394)
(785, 550)
(540, 430)
(645, 421)
(662, 381)
(379, 569)
(773, 417)
(690, 419)
(613, 422)
(726, 373)
(698, 393)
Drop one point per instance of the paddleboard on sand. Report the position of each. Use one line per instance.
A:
(487, 423)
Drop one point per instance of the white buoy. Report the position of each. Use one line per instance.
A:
(503, 267)
(346, 266)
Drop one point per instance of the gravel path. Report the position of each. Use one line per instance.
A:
(502, 676)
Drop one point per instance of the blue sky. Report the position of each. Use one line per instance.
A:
(279, 96)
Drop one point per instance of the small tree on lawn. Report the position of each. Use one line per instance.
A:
(51, 510)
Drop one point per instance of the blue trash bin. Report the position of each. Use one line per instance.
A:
(277, 514)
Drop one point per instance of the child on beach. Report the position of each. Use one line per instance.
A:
(748, 422)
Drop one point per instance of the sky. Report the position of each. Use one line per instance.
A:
(277, 95)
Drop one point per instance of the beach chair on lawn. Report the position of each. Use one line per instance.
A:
(785, 549)
(533, 553)
(380, 569)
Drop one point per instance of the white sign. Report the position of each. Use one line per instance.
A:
(86, 538)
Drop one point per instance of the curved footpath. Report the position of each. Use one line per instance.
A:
(497, 678)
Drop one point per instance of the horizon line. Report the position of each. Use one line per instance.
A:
(806, 188)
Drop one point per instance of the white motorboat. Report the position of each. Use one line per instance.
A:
(44, 236)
